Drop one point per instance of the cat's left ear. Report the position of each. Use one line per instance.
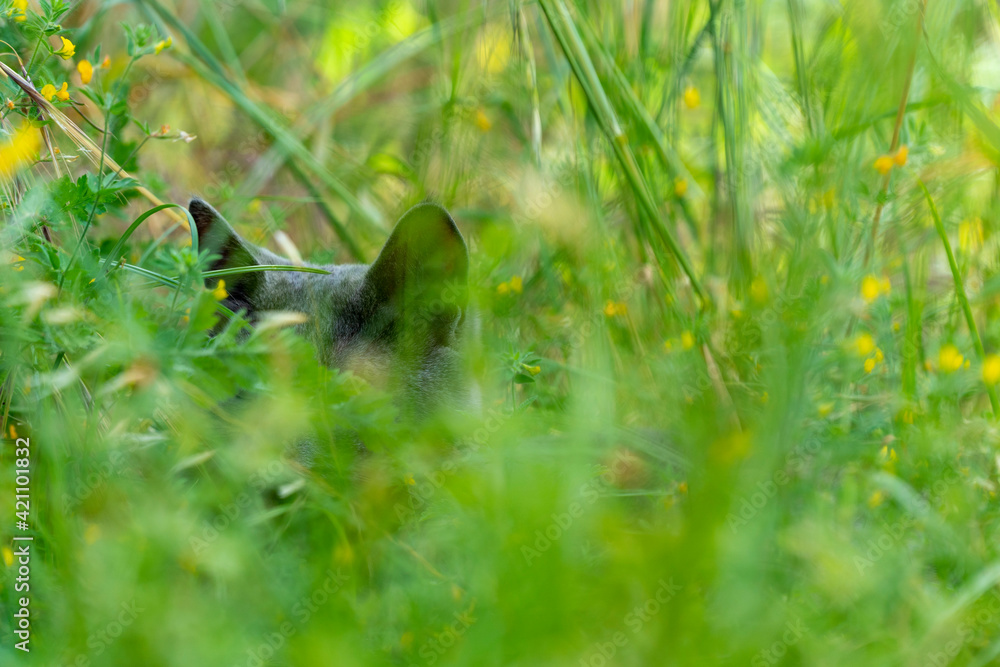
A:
(217, 236)
(422, 272)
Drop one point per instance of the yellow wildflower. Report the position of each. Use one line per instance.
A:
(516, 285)
(829, 198)
(970, 234)
(949, 358)
(991, 369)
(758, 290)
(8, 556)
(164, 44)
(865, 344)
(680, 187)
(19, 11)
(220, 292)
(870, 288)
(18, 150)
(612, 308)
(687, 340)
(887, 454)
(86, 71)
(503, 289)
(532, 370)
(876, 499)
(692, 98)
(10, 104)
(869, 364)
(883, 164)
(483, 121)
(49, 91)
(901, 155)
(67, 50)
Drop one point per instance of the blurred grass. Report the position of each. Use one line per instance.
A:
(727, 418)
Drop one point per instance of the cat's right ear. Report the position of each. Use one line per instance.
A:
(230, 251)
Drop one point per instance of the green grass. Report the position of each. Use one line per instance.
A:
(762, 427)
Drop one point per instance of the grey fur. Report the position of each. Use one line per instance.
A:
(398, 322)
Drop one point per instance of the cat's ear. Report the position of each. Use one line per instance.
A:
(229, 250)
(422, 272)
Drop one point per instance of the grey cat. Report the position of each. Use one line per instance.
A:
(397, 322)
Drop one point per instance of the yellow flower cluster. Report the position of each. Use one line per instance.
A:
(615, 308)
(164, 44)
(950, 359)
(687, 341)
(866, 348)
(19, 10)
(49, 91)
(872, 287)
(19, 150)
(512, 286)
(885, 163)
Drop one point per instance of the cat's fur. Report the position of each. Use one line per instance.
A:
(397, 322)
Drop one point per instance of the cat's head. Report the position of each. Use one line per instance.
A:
(395, 321)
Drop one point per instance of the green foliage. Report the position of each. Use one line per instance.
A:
(735, 267)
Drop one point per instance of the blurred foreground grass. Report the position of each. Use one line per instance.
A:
(737, 273)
